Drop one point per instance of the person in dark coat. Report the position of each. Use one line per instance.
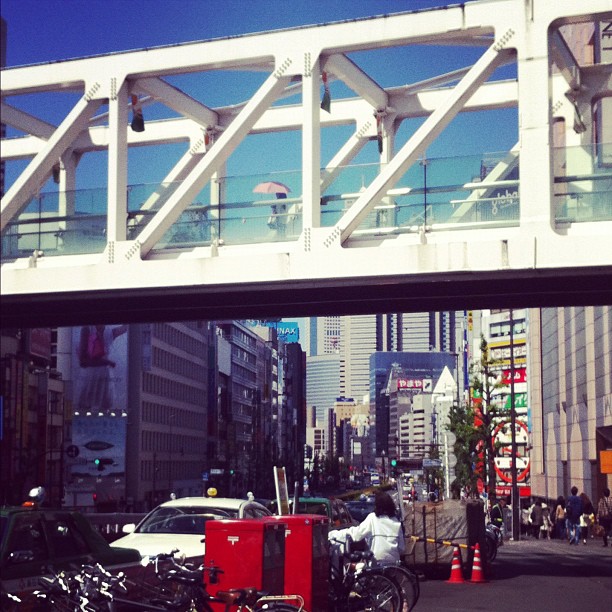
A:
(497, 513)
(537, 519)
(573, 510)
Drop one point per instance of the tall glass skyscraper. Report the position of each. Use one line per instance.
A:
(353, 339)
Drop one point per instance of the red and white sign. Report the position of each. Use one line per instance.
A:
(503, 462)
(409, 383)
(520, 376)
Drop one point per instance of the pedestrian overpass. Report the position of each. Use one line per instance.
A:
(529, 226)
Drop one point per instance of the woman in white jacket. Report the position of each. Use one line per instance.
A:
(381, 530)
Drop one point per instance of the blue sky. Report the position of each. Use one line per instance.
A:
(51, 30)
(43, 30)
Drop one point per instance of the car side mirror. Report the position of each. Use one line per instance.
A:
(128, 528)
(21, 556)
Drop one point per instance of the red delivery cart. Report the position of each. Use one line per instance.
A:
(250, 553)
(306, 557)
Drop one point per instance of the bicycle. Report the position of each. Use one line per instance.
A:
(358, 586)
(8, 601)
(244, 600)
(94, 589)
(407, 581)
(86, 590)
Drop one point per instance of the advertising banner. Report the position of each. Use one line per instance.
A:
(100, 369)
(99, 426)
(101, 444)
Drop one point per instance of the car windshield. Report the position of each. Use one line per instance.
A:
(188, 520)
(314, 507)
(305, 507)
(359, 510)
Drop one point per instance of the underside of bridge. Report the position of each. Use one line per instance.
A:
(529, 226)
(343, 297)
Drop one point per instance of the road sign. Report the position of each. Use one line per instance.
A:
(217, 471)
(72, 451)
(452, 460)
(451, 438)
(432, 463)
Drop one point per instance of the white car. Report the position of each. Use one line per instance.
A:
(180, 524)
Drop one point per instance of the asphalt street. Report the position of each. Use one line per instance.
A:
(531, 575)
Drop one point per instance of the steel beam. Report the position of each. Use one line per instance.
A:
(178, 101)
(218, 154)
(363, 85)
(40, 167)
(25, 122)
(419, 141)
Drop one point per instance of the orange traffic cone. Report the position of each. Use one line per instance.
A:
(456, 575)
(477, 575)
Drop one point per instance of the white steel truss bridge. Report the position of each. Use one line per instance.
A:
(530, 226)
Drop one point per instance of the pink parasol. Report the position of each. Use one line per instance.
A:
(271, 187)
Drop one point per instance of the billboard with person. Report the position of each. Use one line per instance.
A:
(99, 426)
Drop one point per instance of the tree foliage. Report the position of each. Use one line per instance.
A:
(474, 423)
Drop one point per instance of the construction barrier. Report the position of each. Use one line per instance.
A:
(443, 542)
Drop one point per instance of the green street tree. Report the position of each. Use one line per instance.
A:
(461, 423)
(473, 424)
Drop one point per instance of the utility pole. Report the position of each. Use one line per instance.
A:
(515, 491)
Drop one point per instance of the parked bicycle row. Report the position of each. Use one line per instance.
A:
(357, 584)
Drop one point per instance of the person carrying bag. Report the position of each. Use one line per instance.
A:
(604, 514)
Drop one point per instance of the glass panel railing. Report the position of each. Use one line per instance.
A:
(577, 207)
(59, 223)
(439, 195)
(583, 183)
(442, 194)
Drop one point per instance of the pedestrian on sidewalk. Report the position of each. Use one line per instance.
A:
(560, 518)
(547, 525)
(604, 514)
(536, 516)
(586, 518)
(574, 511)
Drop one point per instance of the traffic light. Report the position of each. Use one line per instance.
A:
(101, 462)
(393, 466)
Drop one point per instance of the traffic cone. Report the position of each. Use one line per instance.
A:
(477, 575)
(456, 575)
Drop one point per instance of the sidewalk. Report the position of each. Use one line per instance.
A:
(532, 575)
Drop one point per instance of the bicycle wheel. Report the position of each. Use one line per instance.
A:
(408, 583)
(374, 591)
